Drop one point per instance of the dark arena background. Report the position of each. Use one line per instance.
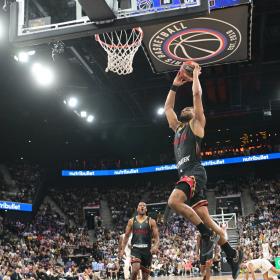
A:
(84, 137)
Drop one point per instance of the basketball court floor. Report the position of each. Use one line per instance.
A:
(221, 277)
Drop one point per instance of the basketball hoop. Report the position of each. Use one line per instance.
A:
(121, 47)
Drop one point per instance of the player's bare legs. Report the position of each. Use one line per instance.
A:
(176, 202)
(145, 274)
(135, 268)
(203, 213)
(234, 257)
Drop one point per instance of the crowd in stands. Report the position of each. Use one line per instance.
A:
(230, 151)
(72, 201)
(22, 182)
(263, 226)
(41, 249)
(228, 196)
(122, 203)
(229, 187)
(177, 253)
(50, 247)
(166, 158)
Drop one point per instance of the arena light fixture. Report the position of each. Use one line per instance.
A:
(160, 111)
(83, 114)
(72, 102)
(90, 118)
(32, 52)
(23, 57)
(42, 74)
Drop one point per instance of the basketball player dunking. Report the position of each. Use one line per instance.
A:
(143, 229)
(187, 199)
(127, 252)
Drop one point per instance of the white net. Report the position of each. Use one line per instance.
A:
(121, 47)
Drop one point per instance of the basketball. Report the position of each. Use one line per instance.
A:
(186, 70)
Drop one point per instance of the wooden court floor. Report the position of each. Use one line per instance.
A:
(220, 277)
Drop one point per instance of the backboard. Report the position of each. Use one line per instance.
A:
(34, 22)
(174, 30)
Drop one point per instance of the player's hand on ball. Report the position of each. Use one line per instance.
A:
(179, 80)
(197, 69)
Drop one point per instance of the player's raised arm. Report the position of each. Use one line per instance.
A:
(170, 103)
(197, 97)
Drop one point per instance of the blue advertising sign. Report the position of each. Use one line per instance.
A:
(15, 206)
(168, 167)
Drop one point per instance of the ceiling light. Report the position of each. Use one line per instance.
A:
(43, 75)
(23, 57)
(160, 111)
(83, 114)
(90, 118)
(72, 102)
(30, 53)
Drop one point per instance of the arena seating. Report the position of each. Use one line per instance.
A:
(263, 226)
(49, 248)
(167, 158)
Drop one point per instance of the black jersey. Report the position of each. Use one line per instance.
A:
(187, 147)
(141, 234)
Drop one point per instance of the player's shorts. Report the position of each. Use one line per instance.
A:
(204, 259)
(265, 266)
(142, 256)
(192, 183)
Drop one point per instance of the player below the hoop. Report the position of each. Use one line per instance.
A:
(143, 230)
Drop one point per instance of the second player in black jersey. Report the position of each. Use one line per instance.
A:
(144, 230)
(188, 197)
